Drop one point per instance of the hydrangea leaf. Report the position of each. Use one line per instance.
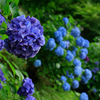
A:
(19, 74)
(3, 3)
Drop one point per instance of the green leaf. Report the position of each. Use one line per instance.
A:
(16, 1)
(4, 25)
(14, 9)
(15, 65)
(25, 73)
(3, 3)
(19, 74)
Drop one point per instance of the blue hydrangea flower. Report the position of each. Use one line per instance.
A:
(37, 63)
(97, 62)
(2, 78)
(1, 44)
(74, 53)
(27, 88)
(80, 41)
(77, 71)
(2, 19)
(95, 70)
(63, 78)
(69, 56)
(77, 62)
(94, 90)
(66, 86)
(59, 51)
(30, 98)
(75, 84)
(88, 74)
(68, 44)
(86, 44)
(0, 86)
(84, 50)
(69, 75)
(74, 48)
(51, 44)
(62, 30)
(25, 37)
(75, 32)
(84, 80)
(65, 44)
(57, 34)
(84, 96)
(59, 39)
(83, 55)
(66, 20)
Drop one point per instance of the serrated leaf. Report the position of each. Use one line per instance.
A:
(14, 9)
(3, 3)
(19, 74)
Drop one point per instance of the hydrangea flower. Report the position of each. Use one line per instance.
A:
(66, 86)
(74, 48)
(0, 86)
(2, 78)
(75, 84)
(66, 20)
(75, 32)
(84, 50)
(77, 62)
(80, 41)
(97, 62)
(69, 56)
(1, 44)
(62, 30)
(51, 44)
(63, 78)
(57, 34)
(30, 98)
(77, 71)
(59, 51)
(86, 44)
(27, 88)
(86, 59)
(69, 75)
(37, 63)
(65, 44)
(2, 19)
(88, 74)
(84, 80)
(95, 70)
(83, 55)
(25, 37)
(94, 90)
(74, 53)
(84, 96)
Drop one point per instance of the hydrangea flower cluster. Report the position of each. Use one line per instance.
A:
(1, 44)
(37, 63)
(84, 96)
(25, 37)
(30, 98)
(95, 70)
(27, 88)
(59, 51)
(2, 19)
(66, 20)
(75, 84)
(2, 78)
(63, 78)
(66, 86)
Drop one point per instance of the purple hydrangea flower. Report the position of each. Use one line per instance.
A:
(86, 59)
(51, 44)
(2, 19)
(80, 41)
(97, 62)
(30, 98)
(1, 44)
(27, 88)
(84, 96)
(95, 70)
(59, 51)
(37, 63)
(2, 76)
(66, 86)
(0, 86)
(62, 30)
(75, 32)
(66, 20)
(25, 37)
(94, 90)
(75, 84)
